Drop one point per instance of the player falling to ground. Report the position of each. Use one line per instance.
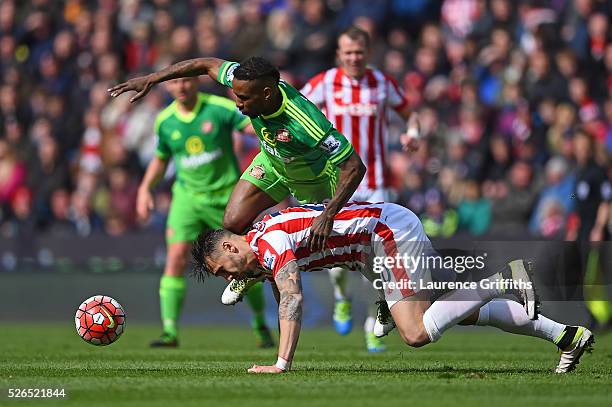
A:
(196, 131)
(357, 100)
(363, 233)
(302, 154)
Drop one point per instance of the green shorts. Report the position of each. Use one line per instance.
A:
(191, 212)
(261, 174)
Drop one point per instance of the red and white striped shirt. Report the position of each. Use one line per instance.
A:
(359, 110)
(282, 237)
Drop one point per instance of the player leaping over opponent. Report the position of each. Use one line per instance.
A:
(363, 232)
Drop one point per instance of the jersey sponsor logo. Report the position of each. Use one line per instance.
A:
(175, 135)
(330, 145)
(194, 145)
(273, 151)
(257, 172)
(200, 159)
(269, 259)
(268, 137)
(207, 126)
(355, 109)
(283, 135)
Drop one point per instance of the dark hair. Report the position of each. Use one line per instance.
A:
(256, 68)
(203, 247)
(355, 33)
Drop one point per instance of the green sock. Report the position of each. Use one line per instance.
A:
(171, 295)
(255, 297)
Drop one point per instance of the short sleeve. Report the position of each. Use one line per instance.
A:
(275, 251)
(396, 97)
(163, 149)
(336, 147)
(313, 90)
(226, 73)
(238, 120)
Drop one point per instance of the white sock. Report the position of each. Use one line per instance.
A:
(368, 326)
(455, 306)
(338, 277)
(510, 316)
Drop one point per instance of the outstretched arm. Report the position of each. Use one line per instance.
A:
(289, 286)
(183, 69)
(351, 173)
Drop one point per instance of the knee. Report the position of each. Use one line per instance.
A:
(176, 263)
(233, 222)
(415, 337)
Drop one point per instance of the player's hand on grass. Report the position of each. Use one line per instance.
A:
(144, 204)
(265, 369)
(142, 85)
(319, 232)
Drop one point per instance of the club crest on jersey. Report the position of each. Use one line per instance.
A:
(269, 260)
(207, 126)
(259, 226)
(330, 145)
(283, 135)
(257, 172)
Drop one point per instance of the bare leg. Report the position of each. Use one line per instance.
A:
(247, 201)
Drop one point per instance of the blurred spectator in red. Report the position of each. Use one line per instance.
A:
(122, 190)
(12, 173)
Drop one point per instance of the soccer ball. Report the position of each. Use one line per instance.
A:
(100, 320)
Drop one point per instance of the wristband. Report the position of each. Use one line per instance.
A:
(282, 364)
(413, 133)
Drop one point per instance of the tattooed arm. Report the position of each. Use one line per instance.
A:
(289, 286)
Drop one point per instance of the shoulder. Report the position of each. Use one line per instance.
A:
(164, 115)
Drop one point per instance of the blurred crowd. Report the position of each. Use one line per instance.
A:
(509, 92)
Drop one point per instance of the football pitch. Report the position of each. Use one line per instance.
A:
(478, 367)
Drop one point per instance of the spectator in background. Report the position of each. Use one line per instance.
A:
(280, 34)
(555, 201)
(122, 190)
(60, 224)
(511, 202)
(12, 173)
(47, 173)
(438, 220)
(474, 211)
(312, 49)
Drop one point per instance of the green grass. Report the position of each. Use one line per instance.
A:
(478, 367)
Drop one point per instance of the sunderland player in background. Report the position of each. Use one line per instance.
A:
(357, 100)
(196, 131)
(278, 246)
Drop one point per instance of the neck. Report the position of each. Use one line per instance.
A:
(188, 105)
(276, 100)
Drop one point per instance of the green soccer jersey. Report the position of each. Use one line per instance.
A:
(299, 141)
(201, 142)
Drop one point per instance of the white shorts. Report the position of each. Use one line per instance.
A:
(399, 248)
